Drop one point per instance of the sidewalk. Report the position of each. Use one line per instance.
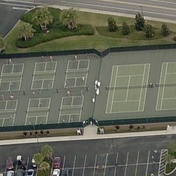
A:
(90, 133)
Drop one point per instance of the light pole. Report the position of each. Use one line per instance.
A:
(33, 126)
(142, 12)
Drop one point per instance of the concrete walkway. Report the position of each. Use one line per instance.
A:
(90, 133)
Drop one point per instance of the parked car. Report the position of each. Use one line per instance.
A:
(19, 159)
(10, 173)
(9, 163)
(66, 172)
(30, 172)
(20, 172)
(34, 165)
(56, 172)
(56, 163)
(24, 164)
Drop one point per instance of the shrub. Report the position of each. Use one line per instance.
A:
(41, 132)
(25, 133)
(125, 29)
(117, 127)
(112, 24)
(149, 31)
(164, 30)
(131, 126)
(57, 32)
(174, 38)
(140, 22)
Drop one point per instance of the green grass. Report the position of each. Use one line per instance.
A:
(101, 40)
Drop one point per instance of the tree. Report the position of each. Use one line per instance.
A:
(140, 22)
(125, 28)
(44, 166)
(2, 44)
(26, 31)
(42, 17)
(38, 157)
(47, 152)
(112, 24)
(164, 30)
(68, 17)
(149, 31)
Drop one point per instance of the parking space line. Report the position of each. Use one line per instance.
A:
(146, 171)
(74, 162)
(63, 165)
(45, 66)
(117, 155)
(85, 159)
(126, 164)
(95, 162)
(12, 68)
(137, 163)
(106, 159)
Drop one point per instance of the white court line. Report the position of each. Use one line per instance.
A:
(124, 76)
(116, 73)
(117, 156)
(163, 86)
(121, 101)
(12, 68)
(140, 96)
(126, 164)
(105, 165)
(137, 163)
(95, 162)
(145, 95)
(146, 171)
(6, 102)
(159, 90)
(171, 73)
(84, 166)
(128, 85)
(74, 165)
(78, 61)
(109, 91)
(46, 63)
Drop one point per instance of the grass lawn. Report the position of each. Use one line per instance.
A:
(100, 40)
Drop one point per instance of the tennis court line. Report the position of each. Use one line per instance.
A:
(162, 88)
(145, 95)
(140, 96)
(114, 90)
(124, 76)
(128, 84)
(109, 92)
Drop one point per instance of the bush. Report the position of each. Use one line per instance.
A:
(140, 22)
(25, 133)
(164, 30)
(125, 29)
(58, 31)
(131, 126)
(112, 24)
(117, 127)
(149, 31)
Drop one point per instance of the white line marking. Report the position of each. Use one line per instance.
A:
(163, 86)
(137, 163)
(146, 171)
(128, 85)
(125, 172)
(116, 73)
(140, 96)
(84, 166)
(95, 165)
(20, 8)
(74, 162)
(105, 165)
(63, 165)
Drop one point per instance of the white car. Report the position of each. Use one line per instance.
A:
(56, 172)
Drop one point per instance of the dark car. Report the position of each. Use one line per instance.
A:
(66, 172)
(9, 163)
(20, 172)
(24, 164)
(56, 163)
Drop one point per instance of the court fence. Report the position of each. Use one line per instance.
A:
(88, 51)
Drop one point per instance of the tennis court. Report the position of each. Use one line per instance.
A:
(71, 109)
(127, 89)
(37, 111)
(44, 75)
(11, 77)
(167, 87)
(77, 73)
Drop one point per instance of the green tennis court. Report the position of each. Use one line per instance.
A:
(167, 91)
(128, 86)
